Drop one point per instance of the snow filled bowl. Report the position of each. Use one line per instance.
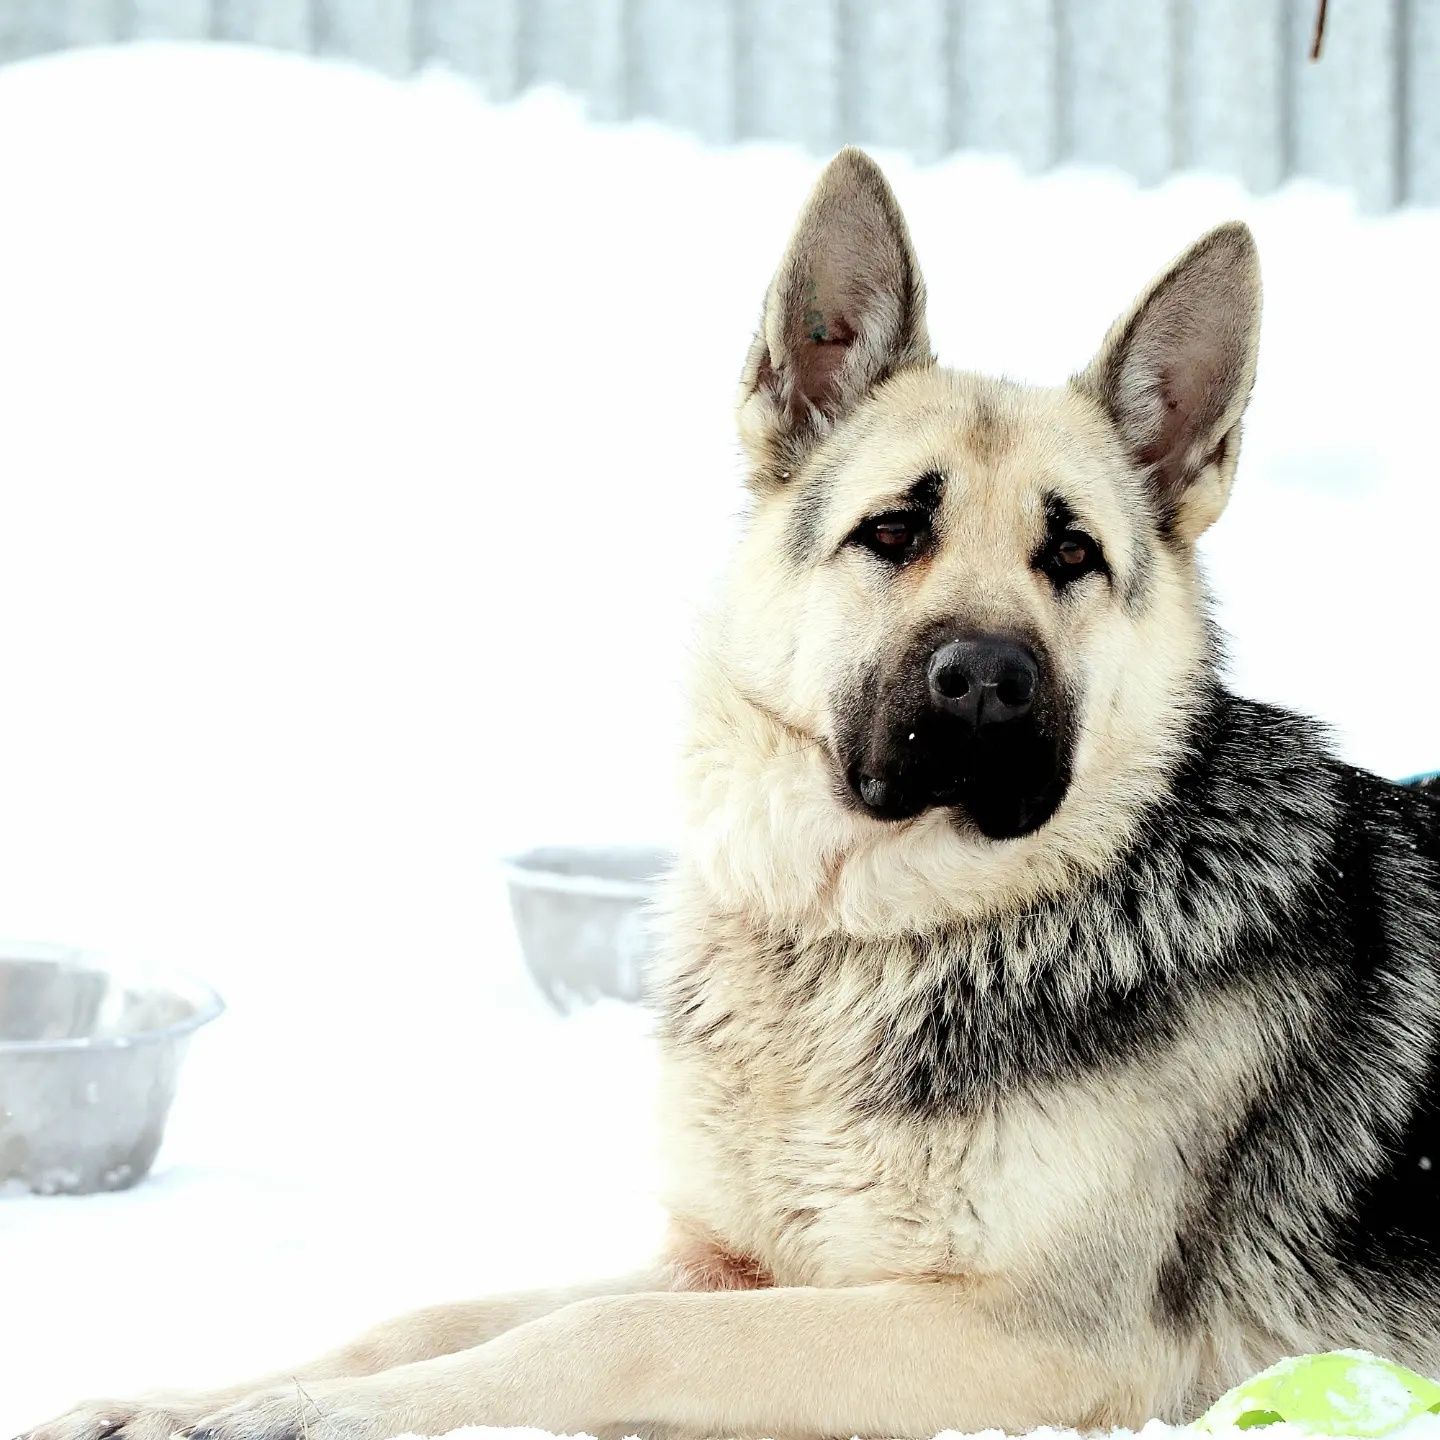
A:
(88, 1063)
(582, 918)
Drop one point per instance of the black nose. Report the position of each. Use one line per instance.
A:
(983, 681)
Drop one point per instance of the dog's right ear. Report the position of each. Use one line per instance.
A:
(845, 311)
(1175, 374)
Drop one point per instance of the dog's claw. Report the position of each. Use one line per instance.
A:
(154, 1418)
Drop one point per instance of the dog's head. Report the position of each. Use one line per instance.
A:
(969, 592)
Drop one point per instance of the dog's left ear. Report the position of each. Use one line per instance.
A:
(1175, 374)
(845, 311)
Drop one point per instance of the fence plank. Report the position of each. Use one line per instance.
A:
(1420, 114)
(1005, 77)
(682, 64)
(25, 30)
(1230, 88)
(788, 71)
(894, 80)
(1118, 55)
(555, 42)
(372, 32)
(85, 22)
(36, 27)
(168, 20)
(280, 24)
(1343, 115)
(607, 62)
(479, 38)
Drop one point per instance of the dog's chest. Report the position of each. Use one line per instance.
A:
(782, 1145)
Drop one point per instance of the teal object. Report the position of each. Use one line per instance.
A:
(1341, 1393)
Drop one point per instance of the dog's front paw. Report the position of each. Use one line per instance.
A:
(327, 1410)
(156, 1419)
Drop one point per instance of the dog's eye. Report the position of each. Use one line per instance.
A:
(892, 534)
(1070, 555)
(897, 536)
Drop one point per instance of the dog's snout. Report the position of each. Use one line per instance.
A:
(983, 681)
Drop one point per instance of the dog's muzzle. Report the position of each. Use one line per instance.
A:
(971, 724)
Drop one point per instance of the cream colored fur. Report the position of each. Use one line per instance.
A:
(867, 1274)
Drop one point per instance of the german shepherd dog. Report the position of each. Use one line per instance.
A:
(1050, 1036)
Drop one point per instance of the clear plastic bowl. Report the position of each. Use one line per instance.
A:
(89, 1059)
(582, 917)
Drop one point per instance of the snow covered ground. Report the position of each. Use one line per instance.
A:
(364, 448)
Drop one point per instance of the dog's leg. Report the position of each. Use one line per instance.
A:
(421, 1335)
(895, 1359)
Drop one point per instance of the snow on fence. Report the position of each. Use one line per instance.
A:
(1148, 85)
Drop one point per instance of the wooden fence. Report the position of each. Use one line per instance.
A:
(1151, 86)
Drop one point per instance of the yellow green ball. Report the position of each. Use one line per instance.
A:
(1345, 1392)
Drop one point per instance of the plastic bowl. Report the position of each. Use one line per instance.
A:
(581, 915)
(88, 1063)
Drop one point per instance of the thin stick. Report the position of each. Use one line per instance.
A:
(301, 1415)
(1319, 36)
